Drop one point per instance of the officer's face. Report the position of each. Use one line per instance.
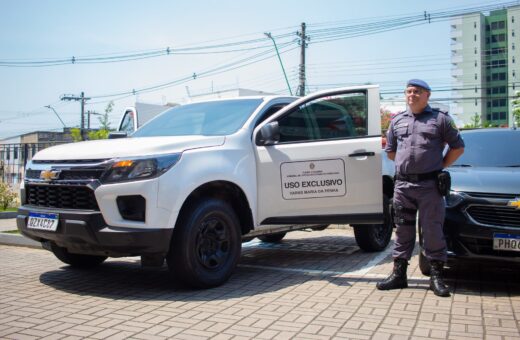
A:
(416, 98)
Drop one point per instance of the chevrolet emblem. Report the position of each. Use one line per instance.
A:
(515, 203)
(49, 175)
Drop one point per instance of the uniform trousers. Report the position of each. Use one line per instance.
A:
(425, 197)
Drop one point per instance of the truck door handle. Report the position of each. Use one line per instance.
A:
(361, 154)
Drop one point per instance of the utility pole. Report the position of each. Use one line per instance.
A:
(303, 44)
(81, 98)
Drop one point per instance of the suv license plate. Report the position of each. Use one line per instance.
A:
(41, 221)
(506, 242)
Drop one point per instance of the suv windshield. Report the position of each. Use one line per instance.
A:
(490, 148)
(216, 118)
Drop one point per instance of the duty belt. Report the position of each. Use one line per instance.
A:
(413, 178)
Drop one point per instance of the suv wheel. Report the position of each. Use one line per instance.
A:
(76, 260)
(206, 244)
(375, 237)
(272, 238)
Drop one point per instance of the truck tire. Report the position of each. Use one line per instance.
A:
(424, 264)
(272, 238)
(76, 260)
(375, 237)
(206, 244)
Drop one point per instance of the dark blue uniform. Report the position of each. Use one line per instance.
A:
(419, 141)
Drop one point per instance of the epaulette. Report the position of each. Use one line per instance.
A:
(440, 111)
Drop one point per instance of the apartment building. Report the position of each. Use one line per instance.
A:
(485, 65)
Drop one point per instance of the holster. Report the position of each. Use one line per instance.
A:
(444, 182)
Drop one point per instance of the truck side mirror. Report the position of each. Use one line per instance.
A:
(269, 134)
(117, 134)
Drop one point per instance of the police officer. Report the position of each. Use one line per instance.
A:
(416, 139)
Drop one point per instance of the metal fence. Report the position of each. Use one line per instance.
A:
(14, 157)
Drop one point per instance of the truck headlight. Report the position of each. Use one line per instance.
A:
(453, 199)
(132, 169)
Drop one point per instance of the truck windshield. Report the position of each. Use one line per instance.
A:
(216, 118)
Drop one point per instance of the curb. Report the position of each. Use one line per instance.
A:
(8, 214)
(18, 240)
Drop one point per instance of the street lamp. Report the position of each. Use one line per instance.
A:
(268, 34)
(57, 115)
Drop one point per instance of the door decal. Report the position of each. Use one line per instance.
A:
(313, 179)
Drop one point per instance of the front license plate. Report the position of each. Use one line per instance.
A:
(41, 221)
(506, 242)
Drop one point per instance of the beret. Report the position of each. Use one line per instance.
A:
(418, 82)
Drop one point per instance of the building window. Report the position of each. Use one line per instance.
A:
(475, 50)
(476, 102)
(487, 28)
(474, 24)
(513, 59)
(475, 37)
(475, 76)
(488, 116)
(476, 89)
(502, 116)
(512, 33)
(514, 73)
(475, 63)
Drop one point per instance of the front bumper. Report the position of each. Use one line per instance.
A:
(86, 232)
(470, 240)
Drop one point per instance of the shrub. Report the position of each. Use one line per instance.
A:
(7, 196)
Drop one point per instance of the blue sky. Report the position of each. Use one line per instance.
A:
(52, 29)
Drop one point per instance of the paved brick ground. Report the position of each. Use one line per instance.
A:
(314, 285)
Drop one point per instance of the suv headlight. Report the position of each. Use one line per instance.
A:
(453, 199)
(137, 168)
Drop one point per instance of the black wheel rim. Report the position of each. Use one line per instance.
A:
(213, 243)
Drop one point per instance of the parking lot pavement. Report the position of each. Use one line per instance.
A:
(313, 285)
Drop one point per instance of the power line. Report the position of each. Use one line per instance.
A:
(320, 35)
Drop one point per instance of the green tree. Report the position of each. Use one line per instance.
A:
(7, 196)
(475, 122)
(75, 134)
(104, 124)
(516, 110)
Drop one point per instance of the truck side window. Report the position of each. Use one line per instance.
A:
(336, 117)
(269, 112)
(127, 125)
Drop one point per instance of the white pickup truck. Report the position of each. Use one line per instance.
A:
(194, 182)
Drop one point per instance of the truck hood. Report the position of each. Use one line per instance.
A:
(127, 147)
(499, 180)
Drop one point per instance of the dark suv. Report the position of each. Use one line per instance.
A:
(483, 208)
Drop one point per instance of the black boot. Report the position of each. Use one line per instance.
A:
(397, 279)
(436, 282)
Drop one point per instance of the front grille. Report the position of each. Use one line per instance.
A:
(62, 197)
(501, 216)
(491, 195)
(77, 174)
(70, 161)
(81, 174)
(485, 247)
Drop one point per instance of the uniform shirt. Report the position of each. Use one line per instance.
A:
(419, 140)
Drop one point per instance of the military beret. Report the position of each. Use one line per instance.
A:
(418, 82)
